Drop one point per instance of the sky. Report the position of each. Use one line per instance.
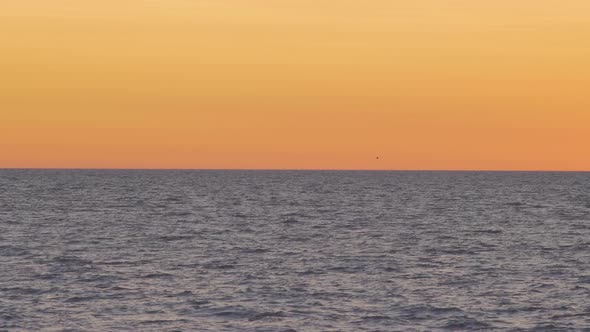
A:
(295, 84)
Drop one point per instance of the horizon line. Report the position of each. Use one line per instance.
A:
(293, 169)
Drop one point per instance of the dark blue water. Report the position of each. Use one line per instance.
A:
(294, 251)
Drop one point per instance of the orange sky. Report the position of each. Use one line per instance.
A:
(330, 84)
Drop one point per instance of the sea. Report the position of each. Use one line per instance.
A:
(286, 251)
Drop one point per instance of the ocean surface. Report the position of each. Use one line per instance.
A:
(90, 250)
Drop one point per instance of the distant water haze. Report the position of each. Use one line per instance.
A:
(95, 250)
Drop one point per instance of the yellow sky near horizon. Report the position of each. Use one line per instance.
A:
(424, 84)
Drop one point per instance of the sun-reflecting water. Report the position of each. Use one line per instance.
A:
(293, 251)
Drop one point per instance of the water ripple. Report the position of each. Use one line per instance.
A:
(293, 251)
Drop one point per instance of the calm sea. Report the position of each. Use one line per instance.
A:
(89, 250)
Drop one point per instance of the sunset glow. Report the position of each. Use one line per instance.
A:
(295, 84)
